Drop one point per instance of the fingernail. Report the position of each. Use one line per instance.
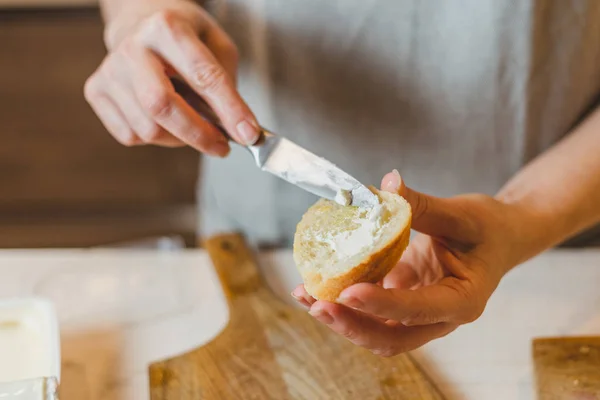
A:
(322, 316)
(247, 132)
(302, 302)
(350, 301)
(393, 184)
(296, 296)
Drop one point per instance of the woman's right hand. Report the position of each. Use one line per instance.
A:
(132, 94)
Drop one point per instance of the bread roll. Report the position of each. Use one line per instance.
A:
(337, 246)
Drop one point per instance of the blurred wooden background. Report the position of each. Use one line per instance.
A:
(63, 180)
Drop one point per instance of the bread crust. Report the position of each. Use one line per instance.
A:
(372, 270)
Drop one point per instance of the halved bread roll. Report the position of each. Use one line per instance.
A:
(336, 246)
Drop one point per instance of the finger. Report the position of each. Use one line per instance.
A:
(157, 96)
(302, 296)
(182, 49)
(445, 301)
(381, 338)
(110, 116)
(402, 276)
(430, 215)
(305, 299)
(224, 50)
(301, 301)
(143, 126)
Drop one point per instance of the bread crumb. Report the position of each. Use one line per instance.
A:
(343, 197)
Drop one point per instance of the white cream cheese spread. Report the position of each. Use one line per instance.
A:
(351, 242)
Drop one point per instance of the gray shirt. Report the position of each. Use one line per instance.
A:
(457, 94)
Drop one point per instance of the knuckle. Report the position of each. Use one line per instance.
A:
(111, 66)
(422, 205)
(473, 313)
(157, 24)
(129, 141)
(349, 333)
(419, 317)
(151, 134)
(129, 48)
(158, 103)
(209, 77)
(199, 140)
(163, 19)
(385, 352)
(91, 88)
(127, 138)
(473, 304)
(421, 314)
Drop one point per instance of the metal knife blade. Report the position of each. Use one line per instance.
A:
(300, 167)
(285, 159)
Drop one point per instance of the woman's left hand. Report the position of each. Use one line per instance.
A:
(444, 278)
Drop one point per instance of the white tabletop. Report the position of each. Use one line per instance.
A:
(121, 310)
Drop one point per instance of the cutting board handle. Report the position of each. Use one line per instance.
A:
(235, 264)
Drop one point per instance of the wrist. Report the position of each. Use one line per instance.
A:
(533, 227)
(123, 21)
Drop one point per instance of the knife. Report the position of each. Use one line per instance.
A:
(287, 160)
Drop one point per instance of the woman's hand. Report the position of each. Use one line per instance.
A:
(132, 94)
(444, 279)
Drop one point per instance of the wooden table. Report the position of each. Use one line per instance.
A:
(122, 310)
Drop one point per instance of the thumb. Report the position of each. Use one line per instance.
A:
(432, 216)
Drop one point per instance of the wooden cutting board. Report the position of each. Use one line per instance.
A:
(567, 368)
(270, 350)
